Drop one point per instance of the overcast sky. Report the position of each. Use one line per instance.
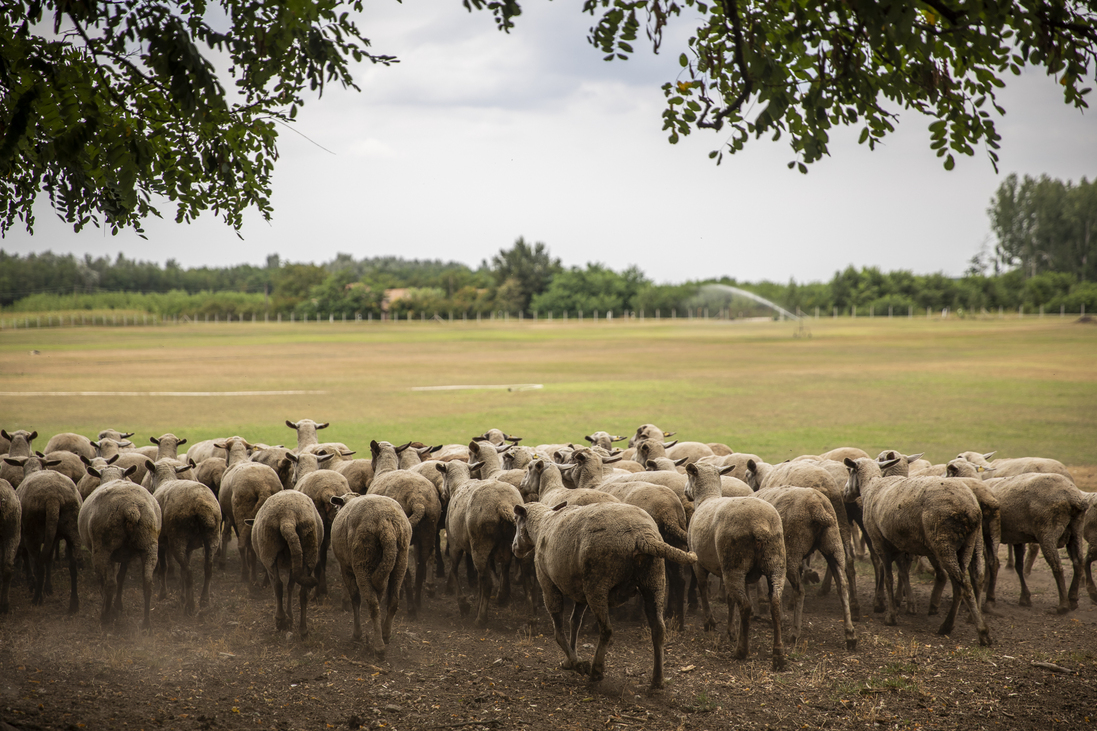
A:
(479, 137)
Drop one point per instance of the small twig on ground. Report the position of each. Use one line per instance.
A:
(1051, 666)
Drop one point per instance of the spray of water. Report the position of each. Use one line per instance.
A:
(727, 289)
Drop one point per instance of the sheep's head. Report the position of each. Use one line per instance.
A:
(530, 487)
(963, 468)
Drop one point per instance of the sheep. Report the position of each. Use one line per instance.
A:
(277, 459)
(108, 447)
(1018, 465)
(245, 486)
(480, 523)
(306, 432)
(840, 454)
(190, 517)
(210, 471)
(371, 538)
(603, 439)
(78, 444)
(543, 482)
(50, 505)
(1046, 509)
(67, 463)
(808, 474)
(320, 484)
(167, 448)
(419, 499)
(518, 458)
(741, 540)
(597, 556)
(488, 456)
(809, 524)
(497, 437)
(358, 473)
(923, 516)
(20, 447)
(719, 449)
(287, 531)
(118, 522)
(11, 519)
(201, 451)
(1089, 530)
(648, 431)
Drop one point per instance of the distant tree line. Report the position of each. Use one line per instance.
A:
(1045, 258)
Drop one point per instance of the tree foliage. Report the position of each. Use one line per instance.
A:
(522, 272)
(1045, 225)
(106, 105)
(810, 66)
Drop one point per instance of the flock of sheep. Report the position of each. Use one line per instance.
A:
(593, 525)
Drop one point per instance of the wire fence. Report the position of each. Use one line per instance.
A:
(25, 321)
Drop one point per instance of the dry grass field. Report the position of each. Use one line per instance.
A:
(1022, 387)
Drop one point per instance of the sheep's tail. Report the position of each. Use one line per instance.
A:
(297, 562)
(206, 523)
(417, 514)
(658, 549)
(132, 516)
(506, 512)
(675, 531)
(53, 516)
(389, 553)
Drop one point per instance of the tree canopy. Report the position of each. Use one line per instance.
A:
(110, 107)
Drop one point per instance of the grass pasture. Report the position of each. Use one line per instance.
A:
(1020, 386)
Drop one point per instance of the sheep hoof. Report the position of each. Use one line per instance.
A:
(851, 644)
(710, 625)
(778, 664)
(464, 606)
(984, 640)
(1025, 602)
(1060, 610)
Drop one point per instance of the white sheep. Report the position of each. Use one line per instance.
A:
(120, 521)
(287, 532)
(245, 486)
(922, 516)
(321, 485)
(11, 516)
(371, 538)
(741, 540)
(597, 556)
(190, 519)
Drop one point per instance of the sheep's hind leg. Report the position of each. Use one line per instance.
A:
(554, 603)
(651, 601)
(1051, 555)
(1019, 566)
(600, 608)
(775, 615)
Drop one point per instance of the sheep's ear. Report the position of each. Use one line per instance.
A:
(51, 463)
(886, 454)
(220, 445)
(347, 453)
(85, 460)
(610, 460)
(435, 449)
(113, 459)
(668, 445)
(4, 433)
(617, 439)
(39, 454)
(560, 507)
(952, 470)
(473, 446)
(589, 438)
(670, 434)
(337, 500)
(520, 511)
(249, 521)
(753, 466)
(94, 472)
(914, 457)
(890, 463)
(95, 444)
(290, 424)
(849, 463)
(441, 467)
(691, 469)
(475, 465)
(512, 439)
(181, 442)
(680, 462)
(723, 470)
(291, 457)
(325, 425)
(191, 463)
(129, 470)
(150, 465)
(180, 469)
(988, 455)
(325, 457)
(155, 441)
(32, 436)
(125, 443)
(126, 435)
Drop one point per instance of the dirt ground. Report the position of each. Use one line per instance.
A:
(228, 668)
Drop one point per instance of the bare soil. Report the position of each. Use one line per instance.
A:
(228, 668)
